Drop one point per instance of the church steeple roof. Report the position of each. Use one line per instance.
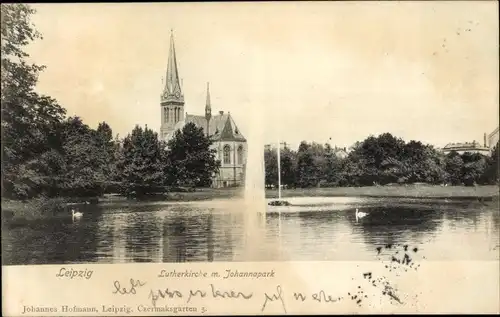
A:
(172, 90)
(208, 105)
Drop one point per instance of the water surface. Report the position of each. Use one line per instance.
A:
(319, 229)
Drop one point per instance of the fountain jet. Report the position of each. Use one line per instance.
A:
(254, 192)
(254, 195)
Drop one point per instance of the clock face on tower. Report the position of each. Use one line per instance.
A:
(177, 95)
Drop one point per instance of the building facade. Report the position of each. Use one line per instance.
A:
(273, 147)
(471, 147)
(493, 138)
(340, 152)
(228, 141)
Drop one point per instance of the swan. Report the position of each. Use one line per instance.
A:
(360, 214)
(76, 214)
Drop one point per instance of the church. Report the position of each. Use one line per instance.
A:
(230, 144)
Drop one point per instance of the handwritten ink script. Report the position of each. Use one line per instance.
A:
(276, 297)
(172, 301)
(129, 289)
(214, 292)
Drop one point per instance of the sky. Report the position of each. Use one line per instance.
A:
(291, 71)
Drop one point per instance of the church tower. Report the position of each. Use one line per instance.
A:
(172, 99)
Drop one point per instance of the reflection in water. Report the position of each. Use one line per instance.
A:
(210, 238)
(199, 232)
(384, 225)
(197, 238)
(174, 240)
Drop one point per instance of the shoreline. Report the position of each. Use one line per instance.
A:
(39, 209)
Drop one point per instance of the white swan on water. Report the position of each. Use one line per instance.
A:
(360, 214)
(76, 214)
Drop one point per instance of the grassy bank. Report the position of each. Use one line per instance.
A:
(42, 208)
(410, 191)
(33, 209)
(14, 211)
(199, 194)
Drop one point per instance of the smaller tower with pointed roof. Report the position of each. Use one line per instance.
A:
(208, 110)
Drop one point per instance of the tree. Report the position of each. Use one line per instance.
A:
(453, 166)
(140, 163)
(83, 173)
(432, 166)
(307, 172)
(117, 158)
(332, 166)
(288, 167)
(423, 163)
(28, 118)
(491, 173)
(319, 158)
(382, 156)
(190, 160)
(271, 167)
(104, 141)
(473, 168)
(393, 171)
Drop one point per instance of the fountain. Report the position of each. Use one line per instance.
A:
(254, 177)
(254, 192)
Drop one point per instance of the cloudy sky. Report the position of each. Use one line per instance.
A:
(292, 71)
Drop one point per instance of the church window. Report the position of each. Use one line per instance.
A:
(236, 131)
(227, 154)
(240, 154)
(165, 113)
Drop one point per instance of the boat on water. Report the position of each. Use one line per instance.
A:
(279, 203)
(279, 206)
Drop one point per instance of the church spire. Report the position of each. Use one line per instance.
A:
(172, 90)
(208, 109)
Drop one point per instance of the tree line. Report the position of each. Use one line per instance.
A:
(45, 153)
(379, 160)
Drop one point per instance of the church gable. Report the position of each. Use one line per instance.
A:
(227, 131)
(221, 127)
(230, 131)
(216, 123)
(237, 133)
(198, 121)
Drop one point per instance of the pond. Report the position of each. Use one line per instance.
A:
(319, 229)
